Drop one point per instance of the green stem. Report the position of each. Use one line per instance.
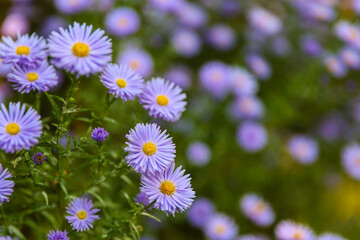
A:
(32, 177)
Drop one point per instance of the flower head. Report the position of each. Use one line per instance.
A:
(82, 214)
(220, 227)
(26, 50)
(303, 149)
(263, 21)
(18, 129)
(163, 99)
(252, 237)
(251, 136)
(198, 153)
(99, 134)
(335, 66)
(57, 235)
(288, 230)
(330, 236)
(247, 107)
(142, 199)
(180, 75)
(214, 77)
(80, 51)
(40, 78)
(350, 57)
(171, 190)
(138, 60)
(200, 211)
(72, 6)
(39, 158)
(6, 186)
(122, 81)
(242, 82)
(259, 66)
(351, 160)
(221, 37)
(191, 15)
(150, 149)
(257, 210)
(186, 42)
(122, 21)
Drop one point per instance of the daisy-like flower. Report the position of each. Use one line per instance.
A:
(26, 50)
(80, 51)
(251, 136)
(163, 99)
(350, 157)
(180, 75)
(138, 60)
(40, 78)
(198, 153)
(257, 210)
(349, 33)
(82, 214)
(18, 129)
(214, 77)
(191, 15)
(142, 199)
(303, 149)
(220, 227)
(201, 210)
(122, 22)
(264, 21)
(99, 134)
(247, 107)
(221, 37)
(171, 190)
(242, 82)
(259, 66)
(186, 42)
(150, 149)
(166, 5)
(6, 186)
(335, 66)
(288, 230)
(39, 158)
(330, 236)
(350, 57)
(252, 237)
(122, 81)
(72, 6)
(57, 235)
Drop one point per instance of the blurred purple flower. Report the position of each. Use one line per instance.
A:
(198, 153)
(251, 136)
(200, 212)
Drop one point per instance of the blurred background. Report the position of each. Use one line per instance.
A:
(273, 103)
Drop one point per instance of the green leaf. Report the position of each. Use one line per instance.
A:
(53, 104)
(150, 216)
(46, 197)
(16, 231)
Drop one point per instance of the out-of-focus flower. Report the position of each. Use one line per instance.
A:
(259, 66)
(191, 15)
(79, 50)
(303, 149)
(103, 5)
(6, 186)
(39, 158)
(242, 82)
(52, 23)
(220, 227)
(142, 199)
(311, 46)
(264, 21)
(180, 75)
(171, 190)
(82, 214)
(186, 42)
(348, 32)
(330, 236)
(5, 91)
(252, 237)
(315, 10)
(72, 6)
(150, 149)
(200, 212)
(166, 5)
(333, 127)
(40, 78)
(351, 160)
(247, 107)
(18, 129)
(163, 99)
(5, 68)
(57, 235)
(257, 210)
(122, 21)
(214, 77)
(221, 37)
(99, 134)
(335, 66)
(26, 50)
(138, 60)
(350, 57)
(13, 24)
(251, 136)
(198, 153)
(122, 81)
(288, 230)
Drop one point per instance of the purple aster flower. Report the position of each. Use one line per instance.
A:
(288, 230)
(349, 33)
(330, 236)
(350, 157)
(335, 66)
(39, 158)
(163, 99)
(251, 136)
(82, 214)
(257, 210)
(252, 237)
(200, 212)
(221, 37)
(333, 127)
(40, 78)
(103, 5)
(263, 21)
(220, 227)
(52, 23)
(350, 57)
(356, 6)
(242, 82)
(198, 153)
(259, 66)
(6, 186)
(72, 6)
(57, 235)
(99, 134)
(142, 199)
(171, 190)
(166, 5)
(214, 77)
(122, 81)
(18, 129)
(26, 50)
(77, 50)
(4, 68)
(180, 75)
(247, 107)
(138, 60)
(191, 15)
(14, 24)
(311, 46)
(122, 22)
(303, 149)
(186, 42)
(150, 149)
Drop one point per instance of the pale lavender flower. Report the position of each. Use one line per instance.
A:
(5, 68)
(251, 136)
(330, 236)
(242, 82)
(72, 6)
(52, 23)
(57, 235)
(191, 15)
(264, 21)
(214, 77)
(257, 210)
(103, 5)
(349, 33)
(138, 60)
(199, 213)
(311, 46)
(142, 199)
(220, 227)
(350, 157)
(335, 66)
(350, 57)
(14, 24)
(221, 37)
(180, 75)
(259, 66)
(186, 42)
(247, 107)
(198, 153)
(82, 214)
(303, 149)
(6, 186)
(166, 5)
(288, 230)
(252, 237)
(122, 22)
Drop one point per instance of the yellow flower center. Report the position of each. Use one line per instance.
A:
(167, 187)
(32, 76)
(12, 128)
(22, 50)
(81, 215)
(81, 49)
(121, 83)
(220, 229)
(162, 100)
(149, 148)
